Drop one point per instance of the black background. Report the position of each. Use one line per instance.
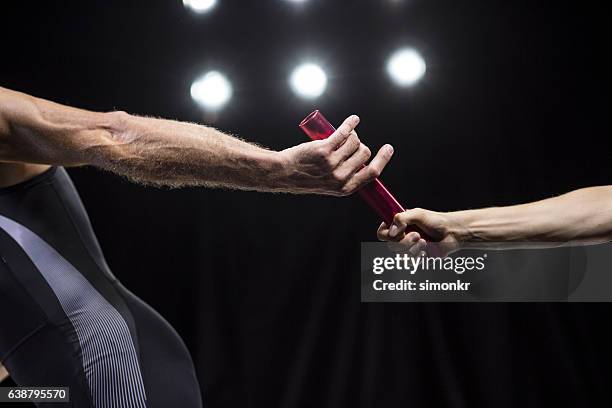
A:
(265, 288)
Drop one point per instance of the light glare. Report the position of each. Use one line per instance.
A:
(200, 6)
(211, 91)
(308, 81)
(406, 67)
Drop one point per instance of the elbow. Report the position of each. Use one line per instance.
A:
(116, 143)
(100, 143)
(123, 129)
(116, 123)
(118, 128)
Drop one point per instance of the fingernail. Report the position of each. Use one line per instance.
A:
(390, 149)
(393, 230)
(355, 118)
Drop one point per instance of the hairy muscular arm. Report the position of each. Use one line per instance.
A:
(165, 152)
(582, 216)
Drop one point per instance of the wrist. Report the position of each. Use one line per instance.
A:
(459, 226)
(286, 174)
(277, 167)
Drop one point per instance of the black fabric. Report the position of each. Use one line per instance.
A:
(167, 366)
(50, 357)
(38, 344)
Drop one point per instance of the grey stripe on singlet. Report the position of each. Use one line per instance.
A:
(110, 361)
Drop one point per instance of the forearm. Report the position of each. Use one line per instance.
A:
(166, 152)
(581, 216)
(148, 150)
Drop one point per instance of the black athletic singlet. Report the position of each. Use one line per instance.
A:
(66, 321)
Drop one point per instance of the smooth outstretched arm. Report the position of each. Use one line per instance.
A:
(580, 217)
(171, 153)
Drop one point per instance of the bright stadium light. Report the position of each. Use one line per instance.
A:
(211, 91)
(406, 67)
(308, 81)
(200, 6)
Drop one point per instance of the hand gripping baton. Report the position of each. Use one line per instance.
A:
(375, 194)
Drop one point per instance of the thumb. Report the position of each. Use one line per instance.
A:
(404, 219)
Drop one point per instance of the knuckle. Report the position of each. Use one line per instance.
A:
(419, 213)
(322, 151)
(366, 152)
(412, 237)
(398, 218)
(338, 175)
(353, 142)
(373, 172)
(344, 131)
(347, 190)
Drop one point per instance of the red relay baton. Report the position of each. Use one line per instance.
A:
(375, 194)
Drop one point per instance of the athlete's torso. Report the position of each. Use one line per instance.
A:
(67, 321)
